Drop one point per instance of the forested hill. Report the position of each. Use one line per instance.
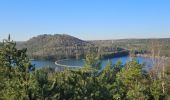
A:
(56, 46)
(60, 46)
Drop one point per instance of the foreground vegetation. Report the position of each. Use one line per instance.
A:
(21, 81)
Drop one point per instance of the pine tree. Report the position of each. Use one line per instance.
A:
(15, 70)
(130, 82)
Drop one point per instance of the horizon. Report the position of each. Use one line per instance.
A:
(87, 20)
(83, 39)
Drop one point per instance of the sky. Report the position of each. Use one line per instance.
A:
(85, 19)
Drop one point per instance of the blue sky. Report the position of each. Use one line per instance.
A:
(85, 19)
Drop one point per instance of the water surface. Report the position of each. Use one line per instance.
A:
(80, 63)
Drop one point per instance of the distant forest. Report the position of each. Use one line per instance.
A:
(61, 46)
(138, 45)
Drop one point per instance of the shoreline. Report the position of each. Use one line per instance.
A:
(62, 65)
(147, 56)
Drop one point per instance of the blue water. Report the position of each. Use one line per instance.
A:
(74, 62)
(43, 63)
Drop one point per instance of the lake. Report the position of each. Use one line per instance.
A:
(79, 63)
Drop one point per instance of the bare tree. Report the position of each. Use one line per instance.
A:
(158, 63)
